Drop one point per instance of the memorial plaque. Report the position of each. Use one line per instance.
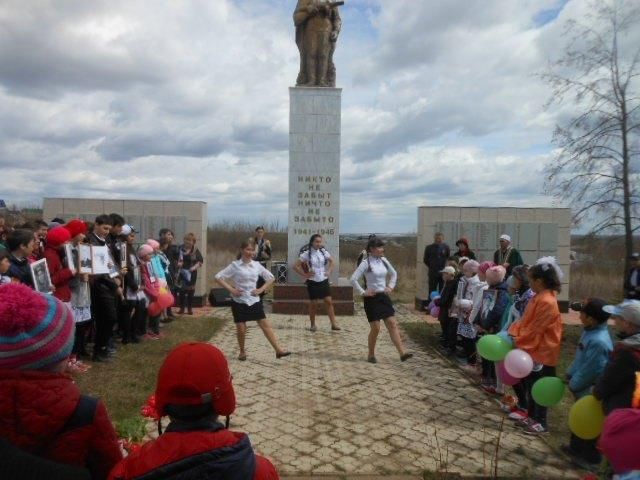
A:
(487, 237)
(510, 229)
(528, 238)
(548, 237)
(470, 231)
(450, 232)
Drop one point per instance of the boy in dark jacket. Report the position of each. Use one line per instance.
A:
(617, 384)
(21, 244)
(194, 389)
(42, 412)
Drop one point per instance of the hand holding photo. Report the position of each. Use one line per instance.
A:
(86, 260)
(71, 257)
(41, 278)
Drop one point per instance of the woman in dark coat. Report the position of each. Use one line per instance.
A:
(189, 261)
(463, 250)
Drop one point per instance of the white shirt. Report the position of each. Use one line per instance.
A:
(376, 276)
(317, 263)
(245, 276)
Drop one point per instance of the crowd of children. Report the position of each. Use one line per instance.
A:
(478, 299)
(106, 307)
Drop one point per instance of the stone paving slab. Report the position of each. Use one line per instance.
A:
(326, 411)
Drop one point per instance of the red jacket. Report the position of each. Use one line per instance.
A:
(195, 454)
(35, 406)
(60, 276)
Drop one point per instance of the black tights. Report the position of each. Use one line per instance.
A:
(186, 300)
(80, 340)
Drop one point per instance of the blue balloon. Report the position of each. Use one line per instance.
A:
(434, 294)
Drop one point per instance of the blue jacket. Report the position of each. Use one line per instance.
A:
(592, 356)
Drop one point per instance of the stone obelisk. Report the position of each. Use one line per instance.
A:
(314, 153)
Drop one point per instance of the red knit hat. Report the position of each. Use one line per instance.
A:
(76, 227)
(57, 236)
(195, 374)
(620, 439)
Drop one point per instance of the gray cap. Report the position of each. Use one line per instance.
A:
(629, 310)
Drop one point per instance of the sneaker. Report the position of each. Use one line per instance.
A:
(488, 388)
(536, 429)
(518, 415)
(525, 423)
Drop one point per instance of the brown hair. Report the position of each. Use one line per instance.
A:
(249, 242)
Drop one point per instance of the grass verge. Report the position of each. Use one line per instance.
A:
(427, 335)
(125, 383)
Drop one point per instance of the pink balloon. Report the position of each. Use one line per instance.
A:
(504, 376)
(165, 300)
(518, 363)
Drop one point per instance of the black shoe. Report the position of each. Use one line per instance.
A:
(181, 311)
(189, 312)
(135, 339)
(372, 360)
(283, 354)
(405, 357)
(100, 358)
(167, 319)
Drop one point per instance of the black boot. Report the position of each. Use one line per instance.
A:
(190, 303)
(182, 298)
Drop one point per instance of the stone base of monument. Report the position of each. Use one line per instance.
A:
(290, 299)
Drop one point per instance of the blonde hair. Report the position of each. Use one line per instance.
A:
(190, 236)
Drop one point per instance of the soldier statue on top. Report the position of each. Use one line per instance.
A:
(317, 28)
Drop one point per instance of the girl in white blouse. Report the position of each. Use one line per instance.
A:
(315, 265)
(377, 304)
(246, 305)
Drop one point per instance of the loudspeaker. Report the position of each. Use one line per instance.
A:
(220, 297)
(279, 270)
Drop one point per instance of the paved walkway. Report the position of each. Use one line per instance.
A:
(326, 411)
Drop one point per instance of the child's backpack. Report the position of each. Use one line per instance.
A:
(18, 464)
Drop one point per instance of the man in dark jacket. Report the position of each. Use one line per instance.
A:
(435, 258)
(617, 384)
(632, 282)
(194, 389)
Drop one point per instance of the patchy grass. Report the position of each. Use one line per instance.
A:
(125, 383)
(427, 335)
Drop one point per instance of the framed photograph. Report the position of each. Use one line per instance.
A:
(101, 258)
(40, 275)
(85, 259)
(114, 271)
(123, 255)
(71, 254)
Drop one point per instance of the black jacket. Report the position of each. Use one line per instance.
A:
(435, 257)
(20, 270)
(630, 290)
(101, 285)
(616, 385)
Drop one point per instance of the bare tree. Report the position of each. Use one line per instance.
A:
(596, 166)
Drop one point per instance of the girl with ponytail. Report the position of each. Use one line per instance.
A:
(377, 303)
(315, 266)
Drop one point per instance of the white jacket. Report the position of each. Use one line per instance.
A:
(464, 296)
(478, 291)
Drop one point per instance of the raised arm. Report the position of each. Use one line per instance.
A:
(393, 280)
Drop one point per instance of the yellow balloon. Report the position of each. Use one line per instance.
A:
(586, 418)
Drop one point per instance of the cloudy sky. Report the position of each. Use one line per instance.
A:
(188, 100)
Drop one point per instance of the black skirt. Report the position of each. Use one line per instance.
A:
(378, 307)
(318, 290)
(244, 313)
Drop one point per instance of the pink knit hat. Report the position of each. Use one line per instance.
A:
(471, 266)
(484, 266)
(153, 244)
(36, 330)
(145, 249)
(619, 440)
(495, 275)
